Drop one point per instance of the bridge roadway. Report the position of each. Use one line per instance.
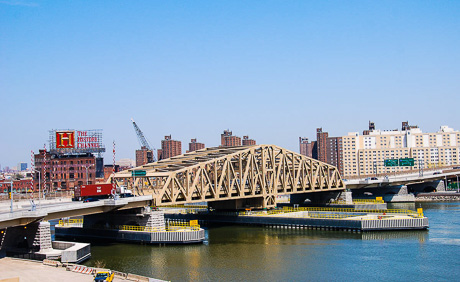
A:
(407, 179)
(24, 216)
(226, 177)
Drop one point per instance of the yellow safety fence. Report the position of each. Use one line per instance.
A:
(377, 200)
(417, 214)
(185, 206)
(70, 222)
(172, 227)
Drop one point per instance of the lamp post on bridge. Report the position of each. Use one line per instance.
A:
(11, 207)
(39, 185)
(458, 188)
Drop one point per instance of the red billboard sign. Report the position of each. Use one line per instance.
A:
(65, 139)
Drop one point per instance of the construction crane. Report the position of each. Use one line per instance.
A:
(142, 140)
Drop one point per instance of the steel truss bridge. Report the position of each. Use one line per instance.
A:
(231, 173)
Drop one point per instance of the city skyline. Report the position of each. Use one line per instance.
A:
(273, 71)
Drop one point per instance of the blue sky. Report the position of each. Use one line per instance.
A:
(273, 70)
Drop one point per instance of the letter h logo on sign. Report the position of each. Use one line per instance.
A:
(65, 139)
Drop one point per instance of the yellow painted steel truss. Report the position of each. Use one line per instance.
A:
(229, 173)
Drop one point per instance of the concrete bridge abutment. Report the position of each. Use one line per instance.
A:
(132, 217)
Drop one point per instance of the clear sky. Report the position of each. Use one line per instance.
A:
(273, 70)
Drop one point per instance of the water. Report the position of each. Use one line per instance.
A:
(241, 253)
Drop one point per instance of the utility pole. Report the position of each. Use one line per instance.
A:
(11, 207)
(420, 168)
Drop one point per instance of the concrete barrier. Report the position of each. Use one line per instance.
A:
(14, 279)
(73, 252)
(51, 262)
(135, 277)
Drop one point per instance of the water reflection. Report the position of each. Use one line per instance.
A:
(245, 253)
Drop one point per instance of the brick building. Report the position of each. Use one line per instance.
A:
(108, 170)
(19, 186)
(321, 143)
(169, 148)
(308, 149)
(228, 140)
(334, 152)
(144, 156)
(195, 146)
(248, 142)
(64, 171)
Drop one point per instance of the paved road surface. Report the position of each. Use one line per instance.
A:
(36, 271)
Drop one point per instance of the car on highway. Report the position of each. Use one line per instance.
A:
(104, 276)
(374, 178)
(436, 172)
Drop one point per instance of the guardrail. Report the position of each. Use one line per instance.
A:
(173, 226)
(71, 222)
(361, 201)
(415, 214)
(185, 206)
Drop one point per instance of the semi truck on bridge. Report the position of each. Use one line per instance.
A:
(94, 192)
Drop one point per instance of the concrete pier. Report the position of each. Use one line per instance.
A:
(356, 221)
(33, 241)
(141, 226)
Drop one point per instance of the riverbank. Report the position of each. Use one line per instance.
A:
(12, 269)
(28, 270)
(438, 197)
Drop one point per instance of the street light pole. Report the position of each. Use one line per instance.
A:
(86, 167)
(458, 188)
(11, 207)
(39, 185)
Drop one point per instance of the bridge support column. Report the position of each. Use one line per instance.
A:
(133, 217)
(440, 187)
(402, 195)
(33, 237)
(347, 197)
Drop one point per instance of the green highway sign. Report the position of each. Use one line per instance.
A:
(391, 162)
(139, 173)
(406, 162)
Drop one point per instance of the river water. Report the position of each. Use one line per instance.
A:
(242, 253)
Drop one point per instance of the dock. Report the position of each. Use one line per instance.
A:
(348, 219)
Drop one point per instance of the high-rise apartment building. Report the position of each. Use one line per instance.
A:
(303, 143)
(248, 142)
(321, 143)
(308, 149)
(144, 156)
(169, 148)
(334, 152)
(195, 146)
(364, 155)
(228, 140)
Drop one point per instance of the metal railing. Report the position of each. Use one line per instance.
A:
(71, 222)
(415, 214)
(361, 201)
(172, 226)
(182, 206)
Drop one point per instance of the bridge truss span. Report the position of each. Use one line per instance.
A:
(230, 173)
